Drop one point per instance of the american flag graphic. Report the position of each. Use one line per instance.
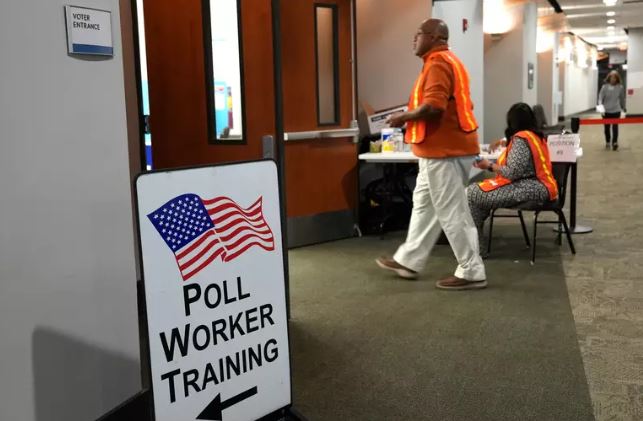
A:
(199, 231)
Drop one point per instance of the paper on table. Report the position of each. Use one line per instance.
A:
(492, 156)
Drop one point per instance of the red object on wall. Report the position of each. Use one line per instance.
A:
(465, 25)
(630, 91)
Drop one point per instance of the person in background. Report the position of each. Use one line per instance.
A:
(523, 172)
(612, 97)
(442, 129)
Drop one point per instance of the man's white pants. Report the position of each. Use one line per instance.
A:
(440, 203)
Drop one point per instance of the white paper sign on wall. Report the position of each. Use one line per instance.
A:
(215, 293)
(563, 147)
(89, 31)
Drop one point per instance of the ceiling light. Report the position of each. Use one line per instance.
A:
(497, 17)
(610, 28)
(544, 41)
(611, 13)
(609, 3)
(611, 21)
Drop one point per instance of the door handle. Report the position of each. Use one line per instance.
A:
(352, 131)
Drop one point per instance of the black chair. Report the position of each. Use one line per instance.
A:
(387, 202)
(560, 172)
(541, 121)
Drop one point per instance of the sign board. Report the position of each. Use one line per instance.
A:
(563, 147)
(89, 31)
(212, 260)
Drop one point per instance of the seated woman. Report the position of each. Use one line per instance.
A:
(523, 171)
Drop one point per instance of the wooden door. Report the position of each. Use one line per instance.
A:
(317, 76)
(315, 50)
(176, 66)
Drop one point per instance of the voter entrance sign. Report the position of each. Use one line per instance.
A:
(89, 31)
(215, 294)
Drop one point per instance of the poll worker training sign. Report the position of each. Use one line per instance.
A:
(215, 294)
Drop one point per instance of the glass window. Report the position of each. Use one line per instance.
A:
(326, 46)
(222, 29)
(144, 87)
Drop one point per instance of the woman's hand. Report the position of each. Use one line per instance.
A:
(483, 164)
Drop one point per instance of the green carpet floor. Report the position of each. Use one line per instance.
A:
(367, 346)
(605, 279)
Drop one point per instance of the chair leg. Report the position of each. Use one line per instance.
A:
(559, 237)
(490, 232)
(561, 215)
(524, 228)
(533, 240)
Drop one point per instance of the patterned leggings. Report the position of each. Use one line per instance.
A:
(482, 203)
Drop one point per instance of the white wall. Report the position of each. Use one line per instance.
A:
(505, 69)
(469, 45)
(548, 77)
(561, 89)
(580, 90)
(635, 65)
(387, 66)
(557, 92)
(546, 70)
(530, 25)
(502, 81)
(68, 320)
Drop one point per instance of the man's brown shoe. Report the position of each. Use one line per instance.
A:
(401, 271)
(457, 284)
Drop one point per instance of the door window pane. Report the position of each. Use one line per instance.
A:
(327, 64)
(223, 69)
(145, 93)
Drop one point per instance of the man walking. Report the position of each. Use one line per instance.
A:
(442, 129)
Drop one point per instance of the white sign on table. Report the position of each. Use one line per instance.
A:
(89, 31)
(215, 293)
(563, 147)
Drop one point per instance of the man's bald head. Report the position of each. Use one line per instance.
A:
(437, 27)
(432, 33)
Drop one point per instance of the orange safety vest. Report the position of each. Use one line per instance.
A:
(542, 165)
(416, 129)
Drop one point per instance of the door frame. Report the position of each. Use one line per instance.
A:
(139, 86)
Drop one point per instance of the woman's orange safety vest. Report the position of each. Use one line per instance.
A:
(416, 130)
(542, 165)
